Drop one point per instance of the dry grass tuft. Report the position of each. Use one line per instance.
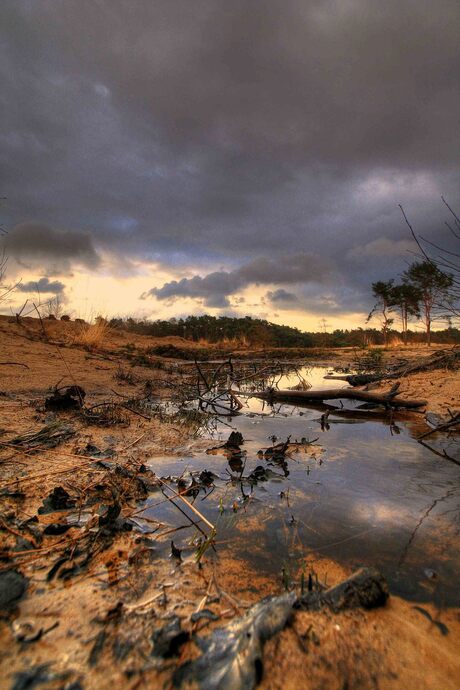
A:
(226, 343)
(93, 335)
(395, 342)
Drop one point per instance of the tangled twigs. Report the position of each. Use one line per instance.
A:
(188, 504)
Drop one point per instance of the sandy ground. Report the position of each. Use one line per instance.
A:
(394, 647)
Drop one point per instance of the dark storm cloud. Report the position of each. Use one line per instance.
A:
(198, 132)
(281, 295)
(217, 286)
(322, 301)
(38, 244)
(42, 285)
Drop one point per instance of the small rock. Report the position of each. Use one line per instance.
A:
(169, 639)
(12, 587)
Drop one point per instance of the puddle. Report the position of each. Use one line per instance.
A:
(370, 495)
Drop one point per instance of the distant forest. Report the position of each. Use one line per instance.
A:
(252, 332)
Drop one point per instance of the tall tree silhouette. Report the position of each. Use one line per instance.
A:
(406, 299)
(433, 285)
(383, 292)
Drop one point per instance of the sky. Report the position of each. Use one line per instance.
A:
(176, 157)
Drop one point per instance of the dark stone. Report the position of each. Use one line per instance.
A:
(12, 587)
(168, 640)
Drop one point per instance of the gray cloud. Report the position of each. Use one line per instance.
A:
(217, 286)
(209, 132)
(42, 285)
(281, 295)
(39, 244)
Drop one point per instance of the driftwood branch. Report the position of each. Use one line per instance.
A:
(388, 399)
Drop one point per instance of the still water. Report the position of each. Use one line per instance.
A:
(364, 493)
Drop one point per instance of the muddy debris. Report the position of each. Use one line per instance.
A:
(97, 648)
(235, 440)
(231, 447)
(204, 614)
(442, 627)
(109, 514)
(66, 398)
(26, 632)
(207, 477)
(262, 474)
(175, 552)
(96, 452)
(108, 622)
(111, 520)
(278, 451)
(366, 588)
(106, 414)
(55, 529)
(49, 436)
(35, 676)
(58, 499)
(27, 532)
(76, 557)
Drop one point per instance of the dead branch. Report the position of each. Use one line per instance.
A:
(455, 421)
(442, 454)
(14, 364)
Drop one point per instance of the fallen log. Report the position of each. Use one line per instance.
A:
(359, 379)
(388, 399)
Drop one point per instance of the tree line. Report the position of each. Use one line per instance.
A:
(252, 332)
